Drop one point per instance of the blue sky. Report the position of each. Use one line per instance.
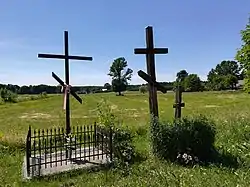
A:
(199, 34)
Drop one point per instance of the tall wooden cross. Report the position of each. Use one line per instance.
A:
(150, 77)
(66, 84)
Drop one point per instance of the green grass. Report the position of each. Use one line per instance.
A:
(229, 110)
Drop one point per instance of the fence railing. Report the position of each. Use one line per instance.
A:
(48, 148)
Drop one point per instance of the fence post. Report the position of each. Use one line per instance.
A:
(111, 143)
(28, 150)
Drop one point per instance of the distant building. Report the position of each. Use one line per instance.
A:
(104, 89)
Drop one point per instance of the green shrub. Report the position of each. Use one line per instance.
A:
(123, 147)
(187, 141)
(8, 96)
(143, 89)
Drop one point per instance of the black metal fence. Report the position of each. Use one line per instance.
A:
(48, 148)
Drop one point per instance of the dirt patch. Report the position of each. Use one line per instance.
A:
(211, 106)
(113, 107)
(35, 115)
(135, 115)
(131, 109)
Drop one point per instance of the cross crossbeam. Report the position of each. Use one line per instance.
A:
(66, 84)
(63, 57)
(150, 77)
(147, 78)
(151, 51)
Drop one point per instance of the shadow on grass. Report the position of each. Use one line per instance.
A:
(224, 159)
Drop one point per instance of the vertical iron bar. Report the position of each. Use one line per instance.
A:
(89, 140)
(62, 139)
(75, 134)
(65, 143)
(34, 143)
(102, 142)
(47, 142)
(50, 151)
(111, 144)
(40, 154)
(45, 155)
(92, 141)
(56, 137)
(98, 141)
(95, 135)
(106, 142)
(70, 150)
(44, 147)
(84, 141)
(28, 150)
(81, 143)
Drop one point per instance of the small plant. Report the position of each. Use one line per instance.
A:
(187, 141)
(105, 114)
(44, 95)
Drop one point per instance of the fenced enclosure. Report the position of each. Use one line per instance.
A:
(51, 151)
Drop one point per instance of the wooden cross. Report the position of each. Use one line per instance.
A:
(66, 85)
(150, 77)
(178, 102)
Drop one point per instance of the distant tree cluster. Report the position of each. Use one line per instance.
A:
(224, 76)
(189, 82)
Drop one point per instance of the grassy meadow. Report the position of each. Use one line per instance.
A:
(230, 110)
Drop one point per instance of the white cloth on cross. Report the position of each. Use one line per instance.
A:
(66, 89)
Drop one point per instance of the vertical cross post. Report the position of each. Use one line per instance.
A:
(66, 84)
(178, 102)
(66, 51)
(150, 52)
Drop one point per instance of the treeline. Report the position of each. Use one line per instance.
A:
(38, 89)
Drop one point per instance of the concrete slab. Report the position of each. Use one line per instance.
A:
(47, 164)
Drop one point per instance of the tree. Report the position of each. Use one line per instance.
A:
(192, 83)
(107, 86)
(243, 56)
(120, 75)
(8, 95)
(143, 89)
(224, 76)
(181, 75)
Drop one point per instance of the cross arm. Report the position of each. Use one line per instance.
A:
(151, 51)
(178, 105)
(63, 57)
(147, 78)
(63, 84)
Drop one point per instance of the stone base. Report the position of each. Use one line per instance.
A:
(67, 165)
